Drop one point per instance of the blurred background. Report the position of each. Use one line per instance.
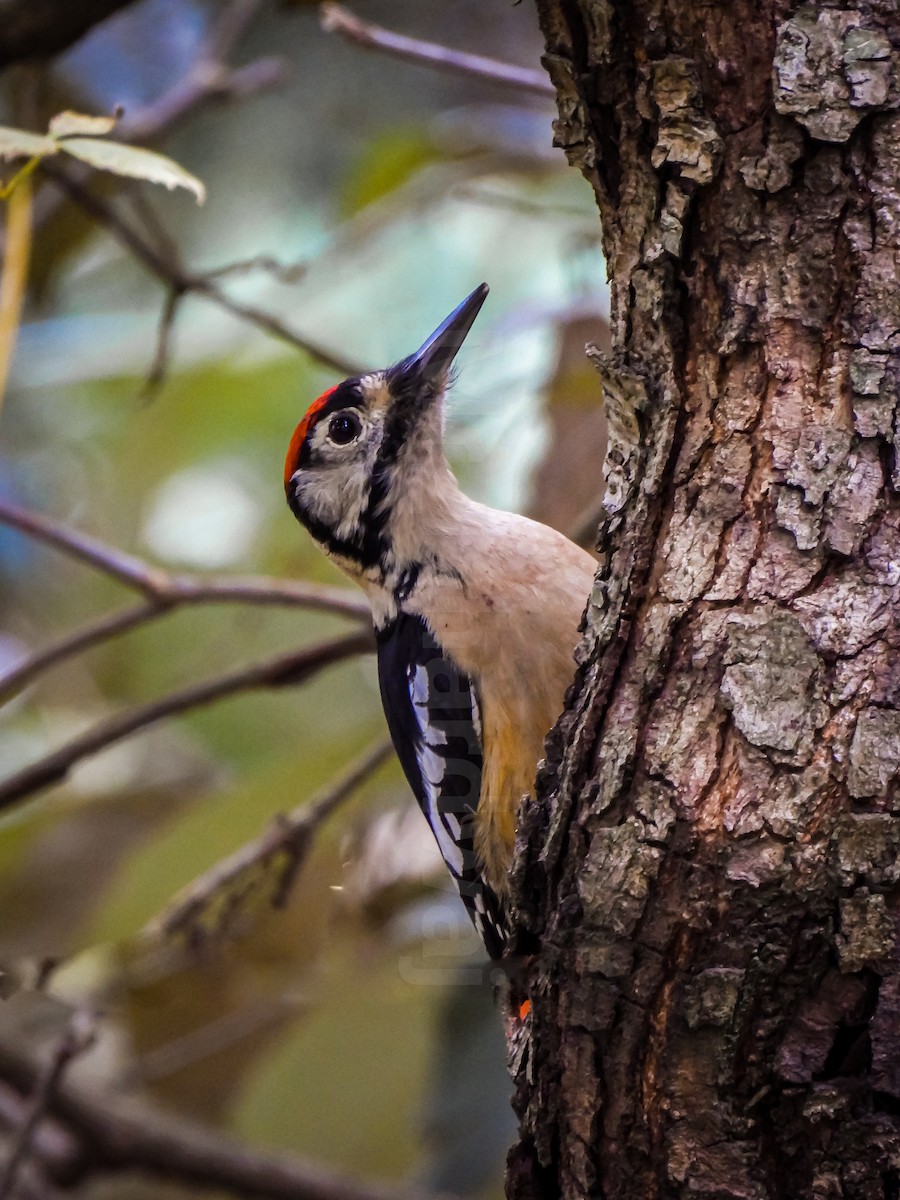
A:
(361, 197)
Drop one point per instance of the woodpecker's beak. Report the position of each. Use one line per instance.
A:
(434, 357)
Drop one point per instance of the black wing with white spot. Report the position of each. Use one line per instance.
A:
(432, 714)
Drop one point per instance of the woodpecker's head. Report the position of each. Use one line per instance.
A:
(371, 445)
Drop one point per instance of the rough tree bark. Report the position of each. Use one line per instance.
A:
(710, 868)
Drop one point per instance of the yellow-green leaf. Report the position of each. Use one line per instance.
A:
(133, 162)
(18, 143)
(65, 124)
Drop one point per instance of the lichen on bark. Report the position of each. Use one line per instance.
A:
(770, 683)
(831, 67)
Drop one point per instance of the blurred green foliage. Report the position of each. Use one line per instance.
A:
(389, 161)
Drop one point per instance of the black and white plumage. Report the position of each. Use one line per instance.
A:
(434, 722)
(476, 611)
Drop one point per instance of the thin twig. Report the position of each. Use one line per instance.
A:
(283, 272)
(182, 591)
(77, 1038)
(93, 634)
(164, 591)
(122, 566)
(250, 589)
(171, 589)
(115, 1134)
(281, 671)
(205, 83)
(337, 19)
(175, 278)
(477, 194)
(157, 371)
(154, 226)
(203, 285)
(288, 834)
(159, 584)
(209, 78)
(49, 1140)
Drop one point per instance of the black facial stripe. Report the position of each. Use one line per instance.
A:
(366, 545)
(373, 522)
(407, 581)
(324, 534)
(413, 395)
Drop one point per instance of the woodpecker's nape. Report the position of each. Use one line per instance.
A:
(476, 611)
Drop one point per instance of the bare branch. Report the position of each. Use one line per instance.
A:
(250, 589)
(288, 273)
(288, 837)
(282, 671)
(182, 591)
(283, 272)
(206, 83)
(158, 368)
(205, 286)
(165, 592)
(489, 198)
(124, 567)
(77, 1038)
(117, 1135)
(153, 225)
(92, 634)
(171, 589)
(50, 1141)
(175, 277)
(208, 79)
(337, 19)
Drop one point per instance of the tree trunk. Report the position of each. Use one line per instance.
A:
(710, 869)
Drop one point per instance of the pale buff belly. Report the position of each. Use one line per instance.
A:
(512, 750)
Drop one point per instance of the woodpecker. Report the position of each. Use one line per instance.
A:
(476, 611)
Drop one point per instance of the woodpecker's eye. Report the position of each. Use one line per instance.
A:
(344, 428)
